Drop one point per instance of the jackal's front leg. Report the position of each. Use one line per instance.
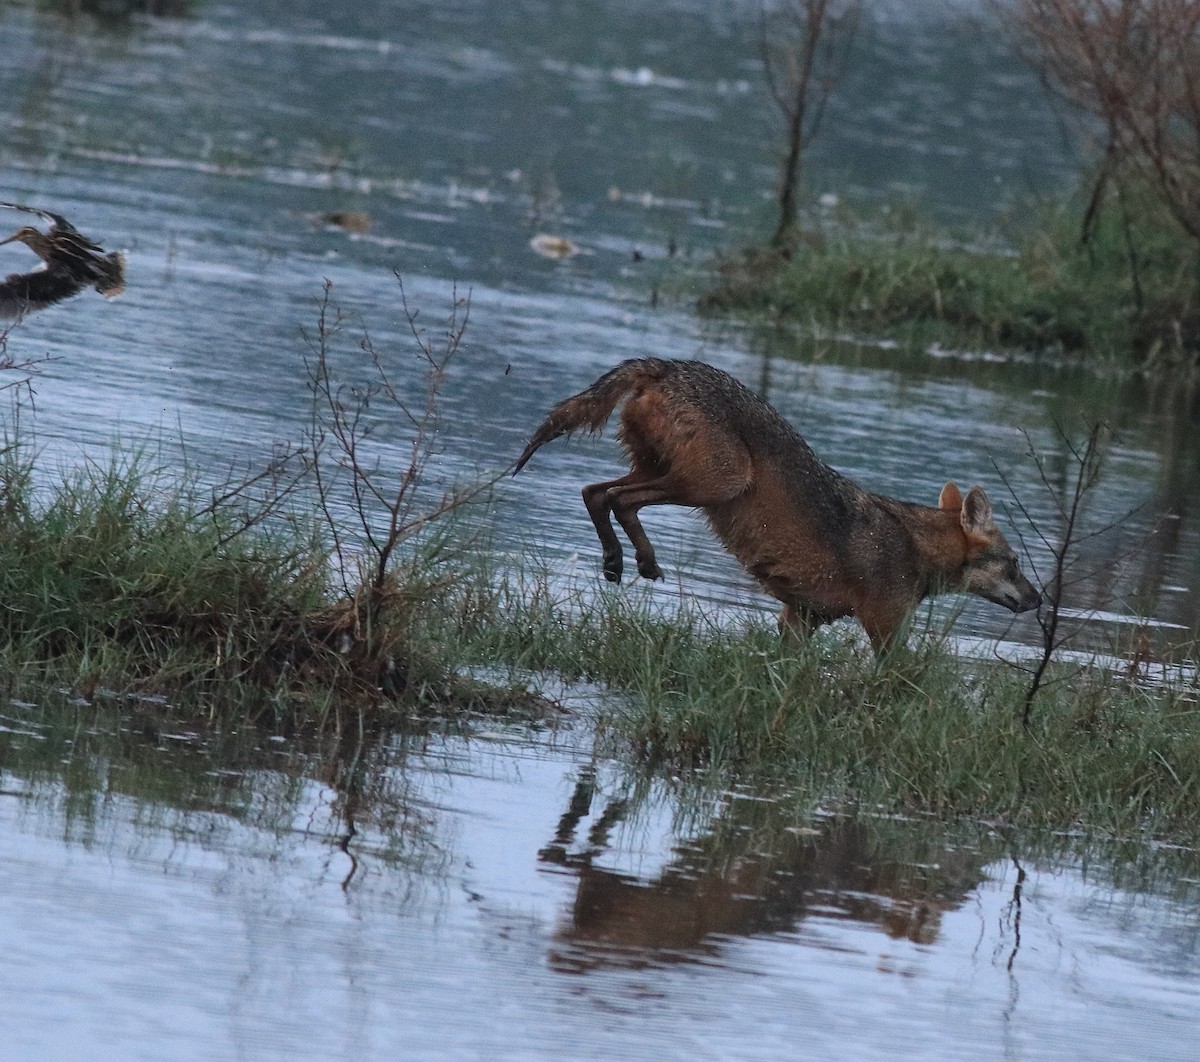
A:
(886, 625)
(798, 622)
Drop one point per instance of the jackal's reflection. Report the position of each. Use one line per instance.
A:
(750, 872)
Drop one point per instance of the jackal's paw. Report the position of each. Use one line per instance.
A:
(649, 569)
(613, 567)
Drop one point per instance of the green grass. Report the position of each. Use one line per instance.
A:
(1127, 296)
(121, 578)
(115, 568)
(928, 732)
(125, 577)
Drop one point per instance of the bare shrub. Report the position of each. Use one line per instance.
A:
(1069, 487)
(1134, 65)
(805, 46)
(17, 374)
(372, 511)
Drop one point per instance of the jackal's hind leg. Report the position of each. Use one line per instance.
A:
(603, 498)
(596, 499)
(643, 551)
(625, 499)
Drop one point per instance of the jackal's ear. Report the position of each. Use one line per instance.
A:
(950, 498)
(977, 513)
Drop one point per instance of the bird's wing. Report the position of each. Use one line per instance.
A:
(22, 293)
(55, 219)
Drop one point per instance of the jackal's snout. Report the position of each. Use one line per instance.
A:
(1000, 580)
(1021, 597)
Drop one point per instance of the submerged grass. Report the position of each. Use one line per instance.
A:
(1127, 294)
(926, 732)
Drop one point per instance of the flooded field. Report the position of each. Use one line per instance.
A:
(500, 892)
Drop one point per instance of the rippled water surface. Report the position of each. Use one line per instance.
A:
(509, 895)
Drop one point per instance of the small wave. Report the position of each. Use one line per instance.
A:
(298, 177)
(278, 37)
(1099, 615)
(642, 77)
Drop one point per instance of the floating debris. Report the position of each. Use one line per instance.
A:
(554, 246)
(350, 220)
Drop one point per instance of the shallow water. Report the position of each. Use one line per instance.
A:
(168, 898)
(211, 148)
(510, 895)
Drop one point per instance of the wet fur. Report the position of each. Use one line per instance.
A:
(814, 539)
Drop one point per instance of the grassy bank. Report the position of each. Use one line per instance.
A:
(929, 733)
(333, 587)
(121, 579)
(117, 572)
(312, 586)
(1126, 295)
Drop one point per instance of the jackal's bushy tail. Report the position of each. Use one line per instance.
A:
(593, 406)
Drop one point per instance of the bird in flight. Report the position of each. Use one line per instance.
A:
(70, 263)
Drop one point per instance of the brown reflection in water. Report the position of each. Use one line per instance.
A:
(746, 875)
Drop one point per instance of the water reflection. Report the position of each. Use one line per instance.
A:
(210, 895)
(753, 869)
(347, 793)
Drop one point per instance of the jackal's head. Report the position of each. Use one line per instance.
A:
(991, 568)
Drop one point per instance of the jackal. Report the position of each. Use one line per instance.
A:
(815, 540)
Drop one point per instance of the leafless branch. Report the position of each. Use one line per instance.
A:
(1069, 500)
(1133, 65)
(382, 509)
(805, 48)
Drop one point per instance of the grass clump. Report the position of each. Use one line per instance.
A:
(312, 582)
(120, 571)
(1124, 291)
(123, 577)
(924, 732)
